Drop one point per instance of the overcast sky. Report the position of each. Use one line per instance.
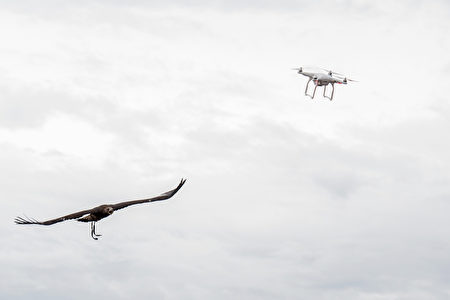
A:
(286, 198)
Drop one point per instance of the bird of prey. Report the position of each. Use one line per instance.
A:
(97, 213)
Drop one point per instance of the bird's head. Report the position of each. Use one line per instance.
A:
(109, 210)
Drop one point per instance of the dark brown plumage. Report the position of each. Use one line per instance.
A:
(97, 213)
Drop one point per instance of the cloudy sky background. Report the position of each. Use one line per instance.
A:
(286, 198)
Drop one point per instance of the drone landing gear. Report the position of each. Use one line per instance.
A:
(332, 92)
(93, 234)
(306, 90)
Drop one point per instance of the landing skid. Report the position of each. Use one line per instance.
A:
(324, 91)
(332, 92)
(306, 90)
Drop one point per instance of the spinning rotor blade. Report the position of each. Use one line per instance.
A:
(345, 79)
(332, 72)
(299, 70)
(308, 68)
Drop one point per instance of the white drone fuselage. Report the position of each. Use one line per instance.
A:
(322, 79)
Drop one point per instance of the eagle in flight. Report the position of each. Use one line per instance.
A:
(97, 213)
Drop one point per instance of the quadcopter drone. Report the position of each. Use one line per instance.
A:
(323, 79)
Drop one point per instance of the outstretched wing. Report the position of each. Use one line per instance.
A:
(164, 196)
(26, 220)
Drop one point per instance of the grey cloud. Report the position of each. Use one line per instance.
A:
(299, 6)
(28, 108)
(277, 204)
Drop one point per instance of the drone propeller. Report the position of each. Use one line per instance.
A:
(331, 73)
(345, 80)
(300, 70)
(308, 68)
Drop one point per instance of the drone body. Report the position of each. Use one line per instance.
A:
(323, 79)
(97, 213)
